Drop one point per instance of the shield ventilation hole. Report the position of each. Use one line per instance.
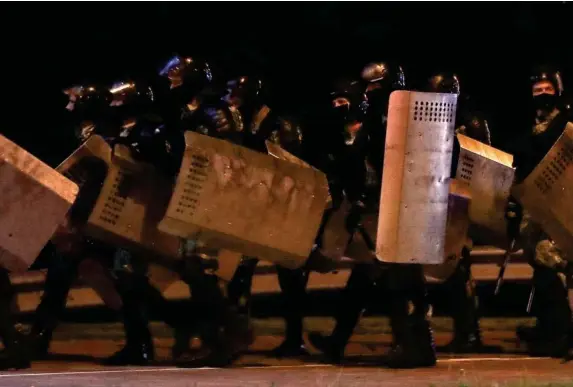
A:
(192, 185)
(561, 160)
(429, 111)
(115, 202)
(466, 168)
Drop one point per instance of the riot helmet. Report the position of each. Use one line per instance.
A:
(348, 100)
(188, 75)
(444, 82)
(382, 79)
(132, 98)
(546, 88)
(88, 101)
(244, 90)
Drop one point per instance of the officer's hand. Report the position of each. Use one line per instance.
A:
(513, 215)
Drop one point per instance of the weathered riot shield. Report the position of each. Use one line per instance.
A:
(547, 193)
(34, 201)
(415, 183)
(245, 201)
(490, 174)
(278, 152)
(457, 226)
(129, 203)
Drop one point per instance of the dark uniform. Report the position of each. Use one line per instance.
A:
(469, 122)
(194, 105)
(89, 107)
(552, 334)
(352, 177)
(263, 124)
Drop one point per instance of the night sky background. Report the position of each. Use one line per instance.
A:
(298, 47)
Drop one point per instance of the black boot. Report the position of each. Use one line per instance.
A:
(352, 303)
(413, 343)
(552, 333)
(59, 279)
(467, 334)
(138, 349)
(225, 333)
(15, 355)
(293, 286)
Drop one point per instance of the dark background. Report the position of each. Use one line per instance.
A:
(299, 47)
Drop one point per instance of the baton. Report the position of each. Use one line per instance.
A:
(530, 301)
(506, 259)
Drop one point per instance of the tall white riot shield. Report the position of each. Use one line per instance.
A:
(547, 193)
(34, 201)
(490, 174)
(246, 201)
(415, 183)
(131, 202)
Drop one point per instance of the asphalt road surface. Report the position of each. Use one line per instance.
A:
(78, 348)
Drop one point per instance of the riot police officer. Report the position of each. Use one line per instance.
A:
(369, 114)
(196, 105)
(89, 107)
(345, 163)
(469, 122)
(245, 93)
(552, 334)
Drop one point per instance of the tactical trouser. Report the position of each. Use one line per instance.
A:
(353, 300)
(224, 333)
(464, 306)
(14, 355)
(552, 333)
(413, 344)
(293, 286)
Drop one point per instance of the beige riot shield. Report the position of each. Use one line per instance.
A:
(490, 174)
(278, 152)
(131, 202)
(547, 193)
(245, 201)
(415, 184)
(34, 201)
(457, 226)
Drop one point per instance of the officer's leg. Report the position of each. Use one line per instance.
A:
(224, 332)
(61, 273)
(14, 355)
(353, 300)
(551, 309)
(239, 289)
(461, 287)
(130, 283)
(413, 344)
(293, 286)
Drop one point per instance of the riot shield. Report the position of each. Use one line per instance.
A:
(457, 227)
(245, 201)
(34, 202)
(130, 202)
(547, 192)
(490, 174)
(415, 184)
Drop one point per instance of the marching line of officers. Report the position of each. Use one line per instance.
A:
(350, 152)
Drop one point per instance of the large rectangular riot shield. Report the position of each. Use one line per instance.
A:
(131, 200)
(246, 201)
(415, 183)
(34, 201)
(547, 192)
(490, 174)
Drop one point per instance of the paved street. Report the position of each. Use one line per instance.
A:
(78, 348)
